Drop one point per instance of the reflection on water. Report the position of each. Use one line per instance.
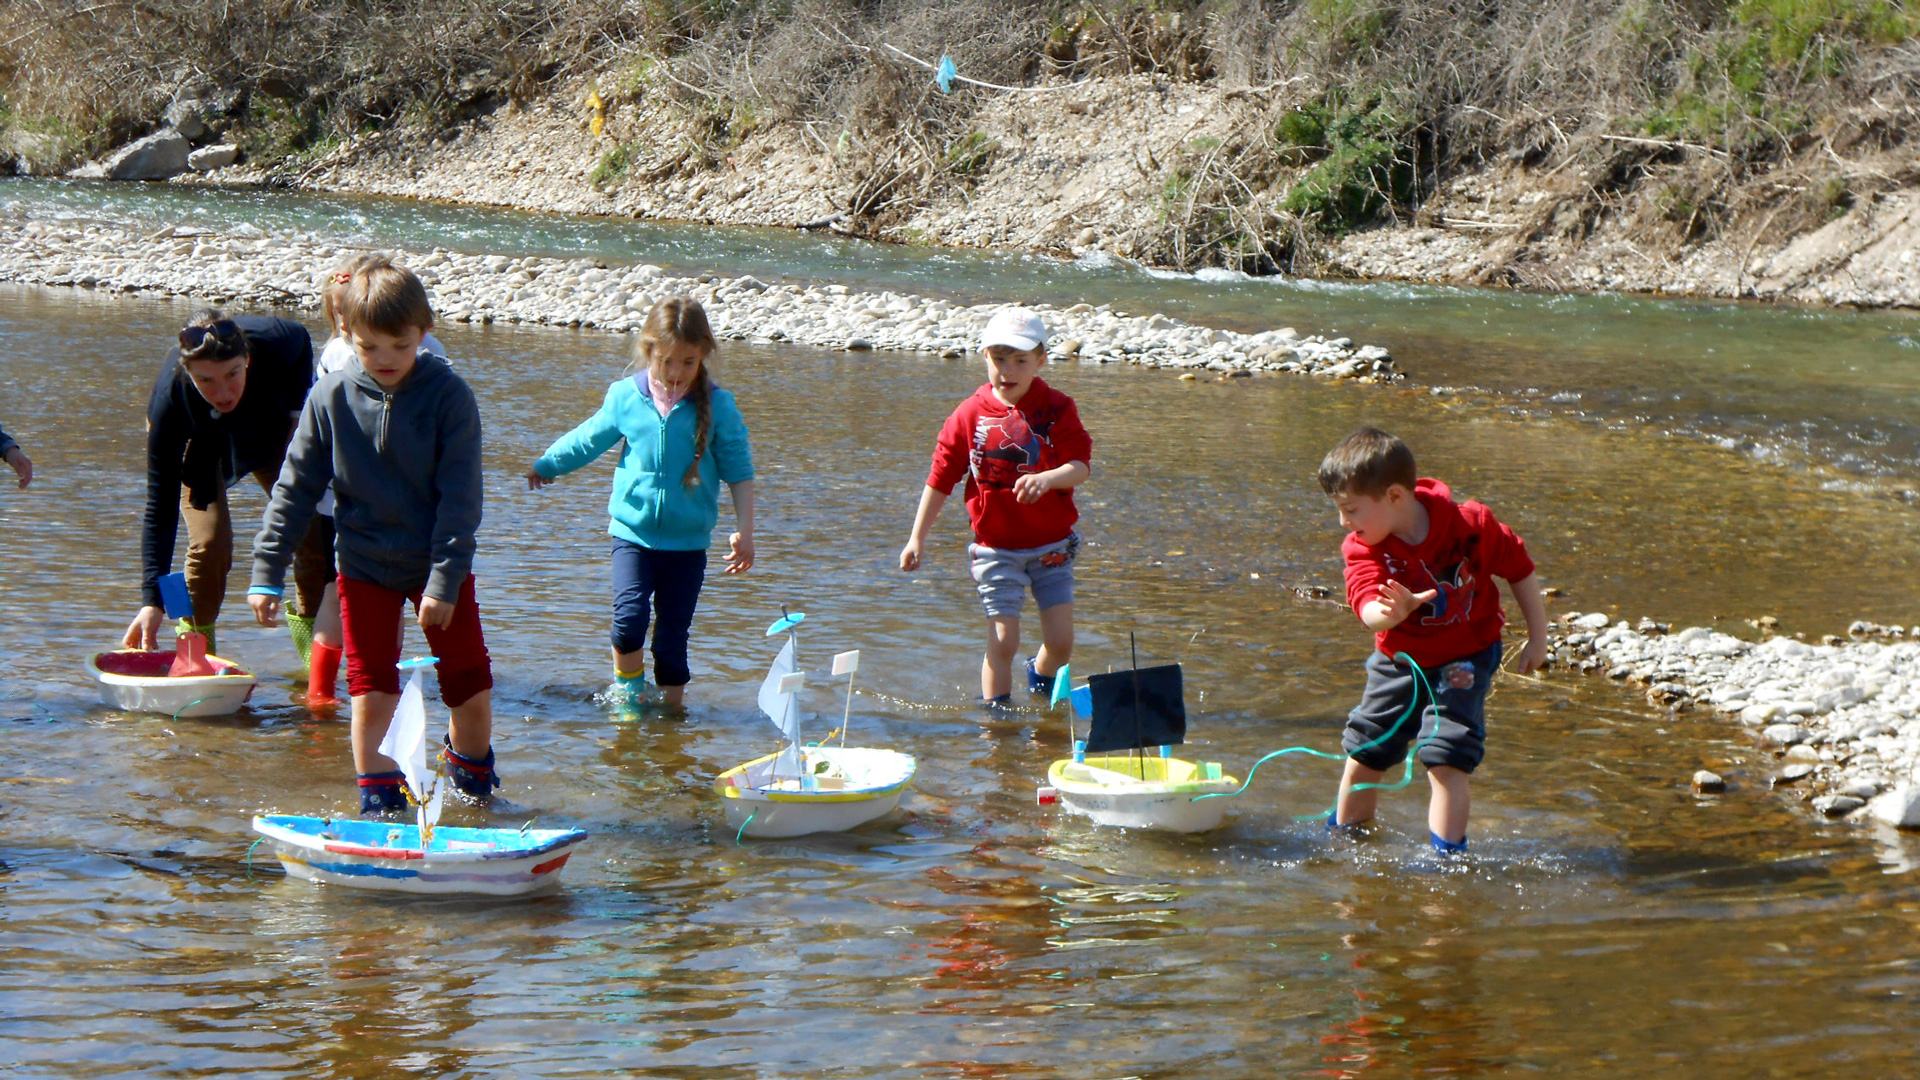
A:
(1610, 923)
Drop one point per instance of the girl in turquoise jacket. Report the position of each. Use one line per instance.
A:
(684, 438)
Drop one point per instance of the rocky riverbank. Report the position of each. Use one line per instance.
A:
(1840, 720)
(285, 272)
(1088, 167)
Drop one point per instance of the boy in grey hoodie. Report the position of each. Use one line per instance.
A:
(397, 435)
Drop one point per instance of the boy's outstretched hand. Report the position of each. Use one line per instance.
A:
(1395, 602)
(1533, 655)
(739, 553)
(266, 609)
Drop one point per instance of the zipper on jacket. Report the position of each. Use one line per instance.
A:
(660, 468)
(386, 418)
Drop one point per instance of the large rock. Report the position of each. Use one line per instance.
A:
(1899, 807)
(159, 156)
(188, 117)
(209, 158)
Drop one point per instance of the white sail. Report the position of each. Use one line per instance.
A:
(778, 701)
(406, 744)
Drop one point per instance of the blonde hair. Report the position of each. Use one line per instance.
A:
(384, 297)
(334, 286)
(681, 319)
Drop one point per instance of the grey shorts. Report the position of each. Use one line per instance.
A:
(1451, 726)
(1003, 575)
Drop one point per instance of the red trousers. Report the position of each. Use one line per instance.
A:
(370, 623)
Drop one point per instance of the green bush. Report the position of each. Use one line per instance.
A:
(1811, 35)
(1362, 153)
(614, 164)
(970, 154)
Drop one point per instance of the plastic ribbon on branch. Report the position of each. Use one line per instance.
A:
(406, 744)
(945, 74)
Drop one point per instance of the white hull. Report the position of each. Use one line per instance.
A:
(773, 820)
(1168, 813)
(204, 695)
(485, 862)
(1159, 794)
(861, 785)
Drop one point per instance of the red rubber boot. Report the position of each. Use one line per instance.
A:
(321, 673)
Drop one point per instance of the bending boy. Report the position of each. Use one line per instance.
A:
(1420, 570)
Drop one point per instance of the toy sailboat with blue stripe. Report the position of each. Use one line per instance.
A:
(423, 857)
(1124, 772)
(800, 789)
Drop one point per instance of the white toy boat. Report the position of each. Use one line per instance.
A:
(136, 680)
(800, 790)
(422, 857)
(1124, 772)
(843, 787)
(387, 856)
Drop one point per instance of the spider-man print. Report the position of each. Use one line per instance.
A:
(1454, 583)
(1004, 447)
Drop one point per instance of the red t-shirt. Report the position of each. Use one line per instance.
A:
(992, 444)
(1466, 547)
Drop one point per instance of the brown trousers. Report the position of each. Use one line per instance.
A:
(210, 556)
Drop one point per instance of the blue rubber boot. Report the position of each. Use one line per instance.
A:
(1036, 682)
(1337, 829)
(475, 780)
(1002, 701)
(383, 792)
(1447, 847)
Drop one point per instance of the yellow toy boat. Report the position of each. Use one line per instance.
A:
(799, 790)
(1124, 772)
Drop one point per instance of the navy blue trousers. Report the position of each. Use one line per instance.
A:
(665, 585)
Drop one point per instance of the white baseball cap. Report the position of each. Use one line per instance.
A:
(1016, 328)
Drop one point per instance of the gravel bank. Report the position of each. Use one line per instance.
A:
(285, 272)
(1842, 718)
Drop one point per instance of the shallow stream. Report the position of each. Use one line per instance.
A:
(1609, 922)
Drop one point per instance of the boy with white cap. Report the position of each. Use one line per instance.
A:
(1021, 448)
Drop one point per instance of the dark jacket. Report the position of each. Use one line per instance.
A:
(405, 470)
(6, 442)
(188, 443)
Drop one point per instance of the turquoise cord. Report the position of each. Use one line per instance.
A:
(737, 842)
(188, 705)
(1413, 708)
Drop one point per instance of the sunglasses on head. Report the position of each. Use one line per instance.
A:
(222, 332)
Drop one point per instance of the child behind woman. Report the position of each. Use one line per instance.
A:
(397, 435)
(684, 438)
(323, 629)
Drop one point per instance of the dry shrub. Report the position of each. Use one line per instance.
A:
(295, 72)
(1405, 92)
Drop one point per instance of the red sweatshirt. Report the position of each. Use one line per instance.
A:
(1465, 549)
(992, 444)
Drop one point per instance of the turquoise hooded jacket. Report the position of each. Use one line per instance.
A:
(650, 504)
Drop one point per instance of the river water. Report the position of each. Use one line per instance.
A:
(1609, 923)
